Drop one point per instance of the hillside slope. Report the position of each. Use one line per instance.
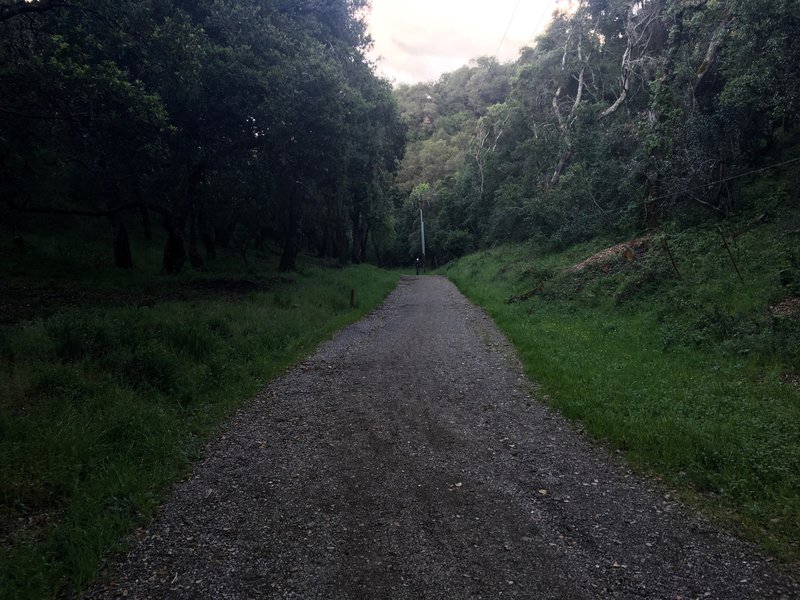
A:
(678, 349)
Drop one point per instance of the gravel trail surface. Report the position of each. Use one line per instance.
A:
(408, 459)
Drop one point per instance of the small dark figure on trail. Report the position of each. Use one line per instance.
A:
(417, 264)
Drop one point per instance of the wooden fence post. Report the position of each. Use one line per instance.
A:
(671, 258)
(728, 248)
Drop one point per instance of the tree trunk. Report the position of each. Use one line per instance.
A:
(626, 84)
(174, 249)
(288, 255)
(337, 228)
(359, 246)
(222, 235)
(260, 241)
(121, 244)
(377, 251)
(147, 230)
(711, 52)
(194, 255)
(175, 224)
(322, 243)
(356, 254)
(341, 244)
(364, 240)
(562, 162)
(210, 245)
(205, 234)
(652, 217)
(123, 259)
(291, 239)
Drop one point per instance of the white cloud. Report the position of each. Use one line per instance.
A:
(419, 40)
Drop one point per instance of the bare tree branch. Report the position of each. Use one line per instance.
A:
(565, 123)
(639, 32)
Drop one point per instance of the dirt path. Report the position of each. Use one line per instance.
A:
(407, 460)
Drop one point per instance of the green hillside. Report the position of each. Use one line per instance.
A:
(659, 349)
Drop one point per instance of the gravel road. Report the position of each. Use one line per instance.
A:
(408, 458)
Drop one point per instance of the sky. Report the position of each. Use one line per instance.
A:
(419, 40)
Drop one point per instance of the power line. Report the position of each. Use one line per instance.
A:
(617, 211)
(505, 33)
(727, 179)
(544, 14)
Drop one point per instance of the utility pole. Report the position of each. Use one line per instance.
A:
(422, 229)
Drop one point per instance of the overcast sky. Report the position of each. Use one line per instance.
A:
(418, 40)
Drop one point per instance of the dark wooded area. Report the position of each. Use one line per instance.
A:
(233, 123)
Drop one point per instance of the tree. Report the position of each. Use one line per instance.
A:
(217, 116)
(623, 112)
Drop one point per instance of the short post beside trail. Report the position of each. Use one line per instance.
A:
(728, 248)
(671, 257)
(352, 297)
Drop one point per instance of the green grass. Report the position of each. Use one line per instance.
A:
(688, 378)
(102, 408)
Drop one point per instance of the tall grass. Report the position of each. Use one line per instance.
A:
(691, 378)
(101, 408)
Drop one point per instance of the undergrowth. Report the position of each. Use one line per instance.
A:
(693, 373)
(102, 407)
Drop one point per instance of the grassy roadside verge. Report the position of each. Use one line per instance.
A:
(102, 407)
(695, 380)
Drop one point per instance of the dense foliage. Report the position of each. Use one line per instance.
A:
(623, 114)
(243, 123)
(234, 122)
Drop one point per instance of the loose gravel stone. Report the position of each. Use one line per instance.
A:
(408, 458)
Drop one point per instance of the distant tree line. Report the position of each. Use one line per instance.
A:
(622, 114)
(227, 122)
